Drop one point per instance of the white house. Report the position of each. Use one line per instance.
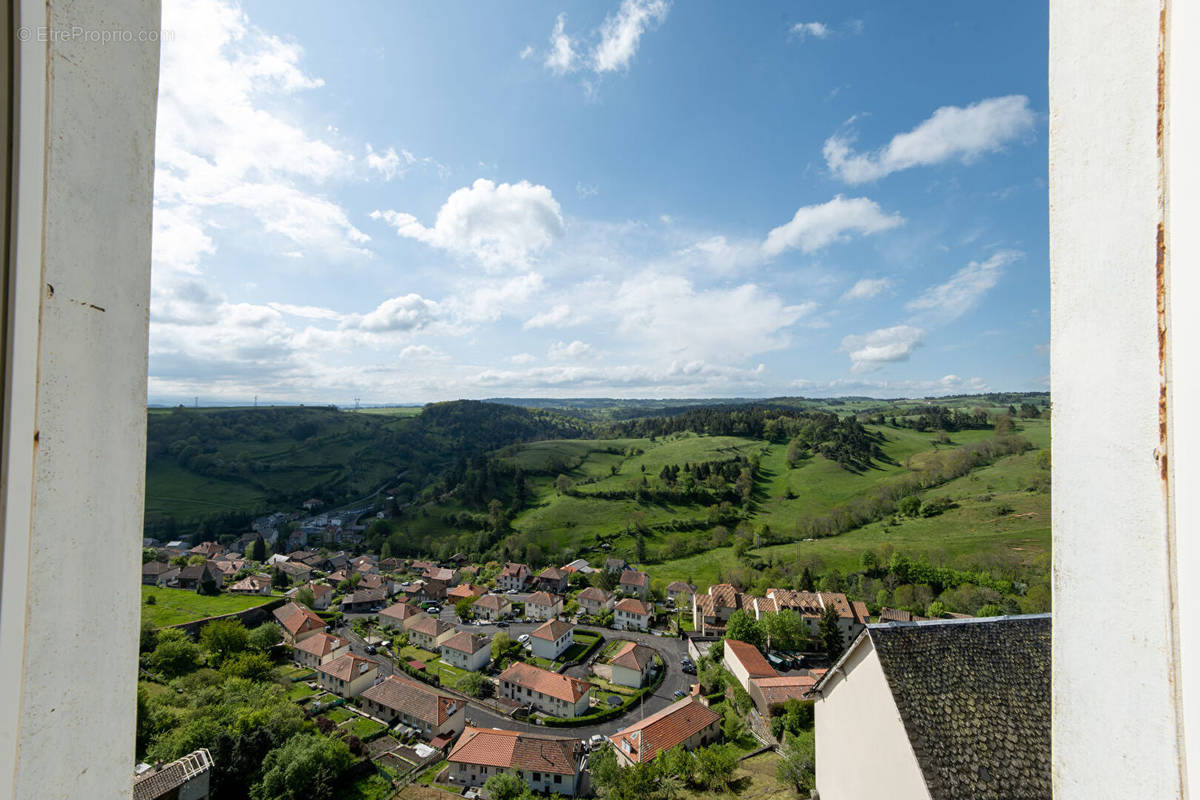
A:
(513, 577)
(492, 607)
(594, 601)
(550, 765)
(543, 605)
(632, 665)
(347, 675)
(318, 649)
(631, 614)
(429, 633)
(945, 708)
(402, 615)
(634, 583)
(550, 640)
(468, 651)
(745, 663)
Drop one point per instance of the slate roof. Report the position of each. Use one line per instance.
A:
(674, 724)
(510, 749)
(415, 699)
(974, 696)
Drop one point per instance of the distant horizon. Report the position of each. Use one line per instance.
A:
(203, 403)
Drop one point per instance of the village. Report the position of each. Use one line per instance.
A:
(454, 676)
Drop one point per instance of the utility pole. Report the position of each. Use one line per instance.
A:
(356, 404)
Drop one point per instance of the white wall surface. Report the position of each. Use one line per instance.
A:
(863, 752)
(1115, 541)
(74, 432)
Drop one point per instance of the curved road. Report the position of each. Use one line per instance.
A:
(671, 648)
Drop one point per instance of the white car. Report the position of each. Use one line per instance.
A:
(596, 741)
(523, 638)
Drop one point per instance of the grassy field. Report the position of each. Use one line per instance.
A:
(173, 606)
(974, 533)
(754, 779)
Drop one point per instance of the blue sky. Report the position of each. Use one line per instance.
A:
(630, 198)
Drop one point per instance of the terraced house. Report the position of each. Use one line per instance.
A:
(397, 699)
(546, 691)
(547, 764)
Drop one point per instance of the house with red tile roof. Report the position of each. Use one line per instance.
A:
(745, 662)
(542, 605)
(680, 593)
(687, 723)
(547, 764)
(771, 693)
(402, 615)
(298, 622)
(548, 692)
(252, 584)
(315, 650)
(711, 611)
(348, 675)
(514, 576)
(468, 651)
(594, 601)
(464, 591)
(429, 633)
(634, 583)
(631, 614)
(492, 607)
(399, 699)
(632, 665)
(552, 639)
(552, 580)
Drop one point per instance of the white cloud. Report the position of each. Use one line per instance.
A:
(501, 225)
(562, 351)
(950, 300)
(817, 226)
(488, 300)
(406, 313)
(617, 42)
(818, 30)
(871, 351)
(952, 132)
(307, 312)
(620, 34)
(389, 163)
(219, 149)
(948, 384)
(522, 358)
(526, 51)
(668, 315)
(721, 254)
(867, 288)
(562, 57)
(556, 317)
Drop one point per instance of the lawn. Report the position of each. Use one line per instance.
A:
(340, 714)
(754, 779)
(366, 787)
(173, 606)
(299, 691)
(364, 728)
(975, 533)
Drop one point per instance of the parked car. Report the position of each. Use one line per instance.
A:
(689, 669)
(680, 694)
(511, 591)
(502, 624)
(371, 650)
(595, 741)
(523, 638)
